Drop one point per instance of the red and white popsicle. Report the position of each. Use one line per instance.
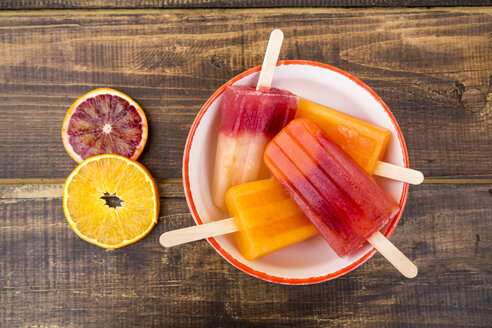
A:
(249, 119)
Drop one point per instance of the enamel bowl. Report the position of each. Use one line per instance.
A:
(310, 261)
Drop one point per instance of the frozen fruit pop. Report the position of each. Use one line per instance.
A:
(365, 142)
(264, 220)
(345, 204)
(250, 118)
(268, 220)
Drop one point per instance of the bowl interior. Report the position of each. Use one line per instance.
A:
(324, 85)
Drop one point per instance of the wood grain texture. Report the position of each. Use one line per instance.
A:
(50, 277)
(55, 190)
(108, 4)
(432, 67)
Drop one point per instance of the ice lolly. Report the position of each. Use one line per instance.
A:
(345, 204)
(268, 220)
(250, 118)
(265, 219)
(365, 142)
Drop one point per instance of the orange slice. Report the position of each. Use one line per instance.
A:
(104, 121)
(111, 201)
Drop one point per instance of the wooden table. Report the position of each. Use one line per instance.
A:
(432, 67)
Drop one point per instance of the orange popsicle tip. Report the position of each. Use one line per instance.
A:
(365, 142)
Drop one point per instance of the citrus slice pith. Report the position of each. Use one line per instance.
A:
(104, 121)
(111, 201)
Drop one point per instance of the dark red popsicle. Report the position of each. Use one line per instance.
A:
(345, 204)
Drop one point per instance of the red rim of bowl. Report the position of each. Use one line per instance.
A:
(245, 268)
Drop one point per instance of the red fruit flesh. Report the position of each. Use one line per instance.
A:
(106, 124)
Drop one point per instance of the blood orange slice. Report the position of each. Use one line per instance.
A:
(104, 121)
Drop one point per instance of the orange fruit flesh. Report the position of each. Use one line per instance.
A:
(268, 220)
(89, 214)
(365, 142)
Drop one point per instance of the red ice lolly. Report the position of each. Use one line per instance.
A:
(250, 119)
(345, 204)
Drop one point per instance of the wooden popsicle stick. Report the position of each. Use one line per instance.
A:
(186, 235)
(393, 255)
(193, 233)
(395, 172)
(270, 60)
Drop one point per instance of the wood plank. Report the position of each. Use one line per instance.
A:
(173, 187)
(55, 190)
(108, 4)
(50, 277)
(23, 192)
(432, 67)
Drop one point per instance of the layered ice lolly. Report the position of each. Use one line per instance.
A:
(249, 119)
(265, 219)
(345, 204)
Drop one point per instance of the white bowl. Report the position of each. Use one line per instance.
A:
(310, 261)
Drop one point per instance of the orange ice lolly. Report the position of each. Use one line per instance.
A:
(264, 219)
(267, 219)
(345, 204)
(365, 142)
